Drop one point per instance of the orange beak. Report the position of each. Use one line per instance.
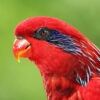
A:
(21, 48)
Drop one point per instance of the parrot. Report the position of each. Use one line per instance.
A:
(69, 62)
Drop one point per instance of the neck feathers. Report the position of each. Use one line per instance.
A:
(60, 88)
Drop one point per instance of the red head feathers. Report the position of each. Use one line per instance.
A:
(66, 58)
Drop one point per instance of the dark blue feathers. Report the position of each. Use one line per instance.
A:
(87, 75)
(64, 42)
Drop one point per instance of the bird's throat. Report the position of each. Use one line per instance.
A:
(59, 88)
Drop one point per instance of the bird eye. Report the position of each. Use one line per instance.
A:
(19, 37)
(43, 33)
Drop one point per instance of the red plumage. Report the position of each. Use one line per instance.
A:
(66, 76)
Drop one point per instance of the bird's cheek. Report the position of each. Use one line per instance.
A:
(22, 48)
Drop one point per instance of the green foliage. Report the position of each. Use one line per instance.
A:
(23, 81)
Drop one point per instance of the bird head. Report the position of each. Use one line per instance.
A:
(46, 41)
(54, 46)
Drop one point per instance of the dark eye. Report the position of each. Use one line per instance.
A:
(19, 37)
(42, 33)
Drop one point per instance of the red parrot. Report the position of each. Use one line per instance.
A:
(69, 63)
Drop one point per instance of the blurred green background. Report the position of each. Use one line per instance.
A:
(23, 81)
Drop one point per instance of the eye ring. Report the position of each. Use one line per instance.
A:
(43, 33)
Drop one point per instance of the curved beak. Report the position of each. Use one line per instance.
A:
(21, 48)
